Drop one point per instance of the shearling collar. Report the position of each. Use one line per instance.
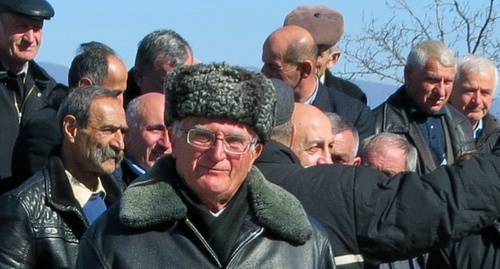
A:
(152, 200)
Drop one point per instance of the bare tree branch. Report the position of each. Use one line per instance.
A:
(378, 51)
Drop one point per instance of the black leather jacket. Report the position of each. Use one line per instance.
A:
(41, 222)
(150, 229)
(395, 116)
(490, 134)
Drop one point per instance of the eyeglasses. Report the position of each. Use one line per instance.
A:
(233, 144)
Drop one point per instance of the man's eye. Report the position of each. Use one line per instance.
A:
(313, 150)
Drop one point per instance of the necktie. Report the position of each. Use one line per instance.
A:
(94, 207)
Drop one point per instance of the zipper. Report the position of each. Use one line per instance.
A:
(20, 110)
(245, 242)
(204, 242)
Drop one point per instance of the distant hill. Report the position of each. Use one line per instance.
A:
(376, 92)
(58, 72)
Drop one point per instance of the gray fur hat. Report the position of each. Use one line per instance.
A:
(217, 90)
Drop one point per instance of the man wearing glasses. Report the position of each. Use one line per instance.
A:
(205, 205)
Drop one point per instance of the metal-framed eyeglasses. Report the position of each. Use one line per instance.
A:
(233, 144)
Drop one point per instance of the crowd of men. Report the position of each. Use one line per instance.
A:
(179, 164)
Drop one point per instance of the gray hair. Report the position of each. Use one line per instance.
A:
(421, 53)
(79, 101)
(161, 44)
(133, 113)
(476, 64)
(91, 61)
(387, 141)
(340, 125)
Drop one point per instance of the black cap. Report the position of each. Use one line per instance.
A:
(30, 8)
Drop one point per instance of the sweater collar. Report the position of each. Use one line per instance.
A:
(152, 199)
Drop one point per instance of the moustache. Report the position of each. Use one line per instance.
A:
(100, 155)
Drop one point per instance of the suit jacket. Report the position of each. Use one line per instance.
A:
(350, 109)
(344, 86)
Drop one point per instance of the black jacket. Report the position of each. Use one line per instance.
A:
(41, 222)
(344, 86)
(395, 116)
(39, 139)
(350, 109)
(371, 219)
(489, 135)
(479, 250)
(38, 85)
(150, 229)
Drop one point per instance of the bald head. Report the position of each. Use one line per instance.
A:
(147, 139)
(289, 54)
(312, 135)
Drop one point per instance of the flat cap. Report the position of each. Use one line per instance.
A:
(284, 102)
(221, 91)
(325, 25)
(30, 8)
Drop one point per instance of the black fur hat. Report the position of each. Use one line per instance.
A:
(218, 90)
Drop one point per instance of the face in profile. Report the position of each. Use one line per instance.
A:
(430, 87)
(100, 143)
(116, 79)
(20, 38)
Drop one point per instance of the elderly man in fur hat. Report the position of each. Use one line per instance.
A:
(206, 206)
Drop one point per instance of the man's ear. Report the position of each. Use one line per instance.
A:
(257, 151)
(334, 58)
(138, 77)
(306, 68)
(69, 128)
(85, 81)
(357, 161)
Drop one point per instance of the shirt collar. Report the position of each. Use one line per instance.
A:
(81, 192)
(478, 129)
(313, 96)
(135, 167)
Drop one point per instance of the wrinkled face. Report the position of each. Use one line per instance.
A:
(20, 38)
(100, 143)
(343, 148)
(275, 65)
(473, 94)
(116, 80)
(312, 142)
(431, 87)
(149, 140)
(390, 161)
(212, 173)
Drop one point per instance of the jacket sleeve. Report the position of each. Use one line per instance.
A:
(17, 248)
(408, 215)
